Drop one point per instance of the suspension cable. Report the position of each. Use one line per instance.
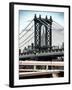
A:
(26, 27)
(26, 32)
(53, 23)
(27, 38)
(59, 24)
(26, 42)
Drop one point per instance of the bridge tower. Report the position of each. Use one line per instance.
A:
(42, 33)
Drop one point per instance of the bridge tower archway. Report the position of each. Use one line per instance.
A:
(42, 33)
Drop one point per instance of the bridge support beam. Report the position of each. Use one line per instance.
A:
(34, 67)
(46, 67)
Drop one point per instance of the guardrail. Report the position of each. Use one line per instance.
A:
(41, 63)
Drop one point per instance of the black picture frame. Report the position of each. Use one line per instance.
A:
(11, 42)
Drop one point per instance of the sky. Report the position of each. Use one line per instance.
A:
(25, 17)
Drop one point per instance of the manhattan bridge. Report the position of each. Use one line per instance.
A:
(36, 48)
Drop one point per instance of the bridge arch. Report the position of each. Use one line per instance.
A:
(45, 26)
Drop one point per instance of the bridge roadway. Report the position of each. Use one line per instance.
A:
(49, 54)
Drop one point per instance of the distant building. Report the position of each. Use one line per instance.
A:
(62, 45)
(43, 36)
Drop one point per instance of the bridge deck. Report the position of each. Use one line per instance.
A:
(49, 54)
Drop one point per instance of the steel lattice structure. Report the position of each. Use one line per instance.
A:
(47, 23)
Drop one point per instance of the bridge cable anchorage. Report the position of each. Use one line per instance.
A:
(26, 27)
(26, 32)
(26, 42)
(27, 38)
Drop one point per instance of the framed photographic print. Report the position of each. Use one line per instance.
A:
(39, 44)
